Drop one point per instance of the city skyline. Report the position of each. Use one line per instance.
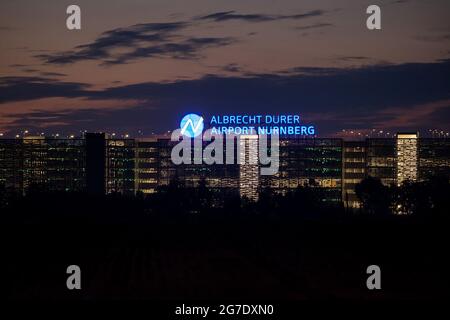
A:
(143, 68)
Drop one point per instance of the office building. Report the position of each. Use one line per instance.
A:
(248, 166)
(353, 170)
(406, 157)
(433, 158)
(306, 162)
(99, 164)
(147, 165)
(45, 163)
(120, 156)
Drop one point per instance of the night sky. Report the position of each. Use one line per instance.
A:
(142, 64)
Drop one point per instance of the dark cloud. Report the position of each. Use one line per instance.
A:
(440, 115)
(353, 58)
(232, 67)
(314, 26)
(143, 41)
(30, 70)
(433, 38)
(332, 98)
(159, 40)
(186, 49)
(53, 74)
(36, 50)
(131, 37)
(310, 71)
(399, 1)
(28, 88)
(233, 15)
(343, 87)
(362, 60)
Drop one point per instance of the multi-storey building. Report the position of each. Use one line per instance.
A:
(120, 157)
(65, 164)
(433, 158)
(248, 156)
(223, 177)
(406, 149)
(381, 159)
(11, 164)
(353, 170)
(147, 165)
(53, 164)
(315, 163)
(99, 164)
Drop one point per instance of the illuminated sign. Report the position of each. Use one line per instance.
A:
(192, 125)
(260, 124)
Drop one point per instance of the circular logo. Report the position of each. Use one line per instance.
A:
(191, 125)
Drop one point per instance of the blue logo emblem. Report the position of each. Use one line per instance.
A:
(191, 125)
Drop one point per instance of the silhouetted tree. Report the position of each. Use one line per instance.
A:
(3, 195)
(267, 201)
(203, 197)
(439, 194)
(422, 198)
(374, 196)
(410, 198)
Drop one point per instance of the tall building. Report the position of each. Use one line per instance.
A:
(120, 166)
(147, 165)
(353, 170)
(248, 153)
(34, 165)
(406, 157)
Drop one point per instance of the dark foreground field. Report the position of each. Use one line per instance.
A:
(190, 259)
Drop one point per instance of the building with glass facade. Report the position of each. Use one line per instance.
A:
(354, 169)
(433, 158)
(306, 162)
(53, 164)
(100, 164)
(120, 166)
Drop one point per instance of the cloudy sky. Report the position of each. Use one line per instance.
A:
(142, 64)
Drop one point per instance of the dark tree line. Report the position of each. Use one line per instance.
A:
(430, 197)
(426, 198)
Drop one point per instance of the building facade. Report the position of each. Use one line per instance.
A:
(53, 164)
(354, 170)
(100, 164)
(305, 162)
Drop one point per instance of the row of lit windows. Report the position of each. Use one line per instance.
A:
(352, 181)
(147, 170)
(147, 149)
(148, 181)
(294, 183)
(147, 160)
(354, 170)
(355, 160)
(354, 149)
